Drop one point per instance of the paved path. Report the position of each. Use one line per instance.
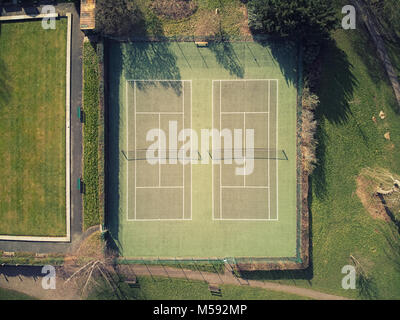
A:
(229, 278)
(28, 280)
(76, 141)
(371, 25)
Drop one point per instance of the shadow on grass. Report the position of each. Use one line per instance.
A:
(5, 88)
(392, 251)
(336, 90)
(367, 288)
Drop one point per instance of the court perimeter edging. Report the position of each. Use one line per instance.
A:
(67, 238)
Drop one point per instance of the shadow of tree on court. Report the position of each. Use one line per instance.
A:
(335, 90)
(227, 57)
(392, 249)
(140, 60)
(150, 60)
(285, 53)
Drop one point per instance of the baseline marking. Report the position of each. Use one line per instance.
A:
(220, 126)
(159, 124)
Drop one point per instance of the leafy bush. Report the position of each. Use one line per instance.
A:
(296, 18)
(174, 9)
(90, 136)
(309, 127)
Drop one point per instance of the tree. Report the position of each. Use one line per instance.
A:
(388, 13)
(294, 18)
(309, 128)
(117, 17)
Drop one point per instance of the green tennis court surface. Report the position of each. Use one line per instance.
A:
(202, 208)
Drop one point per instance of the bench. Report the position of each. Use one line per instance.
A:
(202, 44)
(132, 282)
(215, 290)
(8, 254)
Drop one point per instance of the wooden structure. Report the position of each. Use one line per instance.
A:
(88, 14)
(201, 43)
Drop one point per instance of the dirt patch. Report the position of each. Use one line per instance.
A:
(92, 248)
(244, 25)
(370, 202)
(174, 9)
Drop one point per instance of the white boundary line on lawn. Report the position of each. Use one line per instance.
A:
(27, 17)
(67, 238)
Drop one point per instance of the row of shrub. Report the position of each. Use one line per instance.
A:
(202, 266)
(28, 258)
(91, 101)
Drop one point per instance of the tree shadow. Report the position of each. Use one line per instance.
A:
(335, 90)
(337, 85)
(366, 50)
(286, 53)
(129, 60)
(150, 61)
(227, 57)
(367, 288)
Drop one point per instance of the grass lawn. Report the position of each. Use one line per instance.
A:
(353, 89)
(6, 294)
(178, 289)
(32, 129)
(232, 13)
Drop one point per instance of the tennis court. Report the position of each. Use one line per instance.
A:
(202, 208)
(160, 191)
(246, 104)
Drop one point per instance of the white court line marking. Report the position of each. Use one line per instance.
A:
(269, 130)
(212, 148)
(183, 166)
(248, 112)
(244, 144)
(244, 187)
(230, 219)
(191, 151)
(159, 155)
(220, 163)
(245, 80)
(220, 166)
(162, 187)
(127, 148)
(159, 187)
(152, 112)
(155, 80)
(277, 133)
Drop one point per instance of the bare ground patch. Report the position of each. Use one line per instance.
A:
(370, 201)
